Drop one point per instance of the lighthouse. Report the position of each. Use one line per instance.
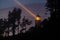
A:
(37, 21)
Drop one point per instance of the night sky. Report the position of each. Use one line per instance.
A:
(11, 3)
(34, 5)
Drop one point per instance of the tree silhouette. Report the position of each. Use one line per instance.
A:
(52, 6)
(1, 25)
(14, 16)
(19, 15)
(24, 23)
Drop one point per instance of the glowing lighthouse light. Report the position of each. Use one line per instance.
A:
(38, 18)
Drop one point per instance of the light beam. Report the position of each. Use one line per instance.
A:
(25, 8)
